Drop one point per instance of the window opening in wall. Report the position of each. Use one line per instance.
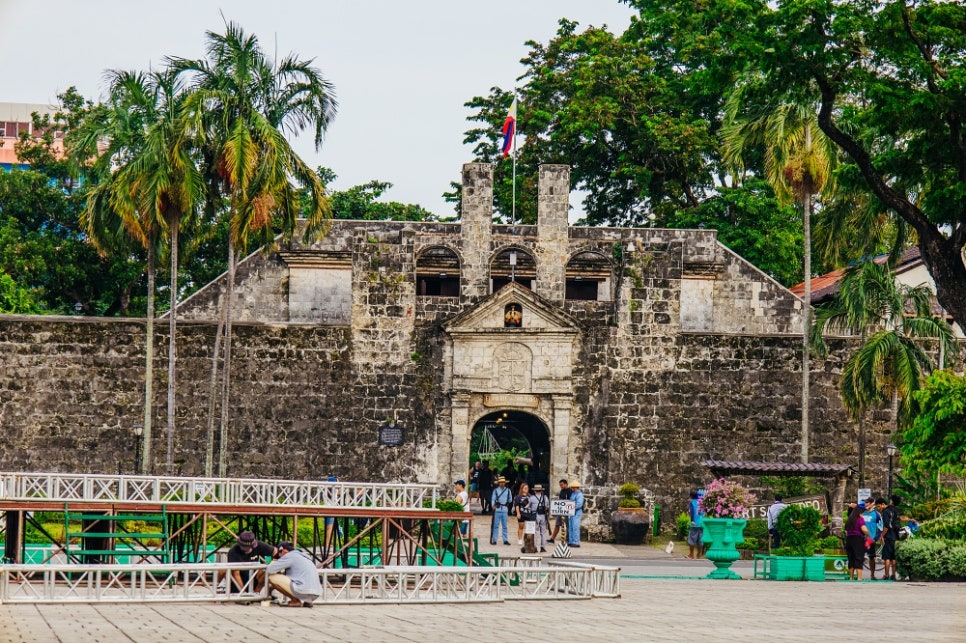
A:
(438, 273)
(589, 277)
(512, 264)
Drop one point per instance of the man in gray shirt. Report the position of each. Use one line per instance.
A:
(294, 575)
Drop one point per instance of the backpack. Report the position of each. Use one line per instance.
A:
(542, 505)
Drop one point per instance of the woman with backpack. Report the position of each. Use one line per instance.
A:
(521, 509)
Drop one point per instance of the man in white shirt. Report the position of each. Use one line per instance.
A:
(295, 575)
(773, 511)
(464, 499)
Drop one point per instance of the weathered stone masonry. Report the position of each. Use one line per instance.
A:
(681, 352)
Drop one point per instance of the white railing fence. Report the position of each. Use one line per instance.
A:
(66, 487)
(206, 582)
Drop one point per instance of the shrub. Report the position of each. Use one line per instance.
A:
(629, 503)
(444, 504)
(757, 528)
(799, 527)
(628, 490)
(683, 525)
(750, 543)
(921, 559)
(830, 542)
(952, 527)
(956, 561)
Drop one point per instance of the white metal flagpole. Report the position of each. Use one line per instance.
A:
(516, 131)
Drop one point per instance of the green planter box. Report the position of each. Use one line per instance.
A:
(790, 567)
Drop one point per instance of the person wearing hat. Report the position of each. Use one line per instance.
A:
(500, 499)
(248, 550)
(573, 522)
(540, 507)
(294, 574)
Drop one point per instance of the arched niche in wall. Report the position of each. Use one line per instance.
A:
(438, 272)
(512, 264)
(589, 276)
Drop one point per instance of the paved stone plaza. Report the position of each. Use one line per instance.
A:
(678, 610)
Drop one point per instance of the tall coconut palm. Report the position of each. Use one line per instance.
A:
(243, 103)
(799, 162)
(150, 184)
(891, 319)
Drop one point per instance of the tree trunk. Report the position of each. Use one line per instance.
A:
(862, 451)
(172, 348)
(806, 318)
(213, 392)
(146, 462)
(226, 371)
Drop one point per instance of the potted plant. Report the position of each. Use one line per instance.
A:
(725, 507)
(799, 527)
(630, 522)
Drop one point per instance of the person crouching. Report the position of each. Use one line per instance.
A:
(294, 574)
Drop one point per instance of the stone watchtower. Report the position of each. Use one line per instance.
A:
(510, 354)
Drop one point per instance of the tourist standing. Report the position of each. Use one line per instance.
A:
(873, 522)
(501, 500)
(855, 534)
(464, 499)
(891, 524)
(540, 507)
(474, 477)
(521, 507)
(485, 482)
(573, 522)
(696, 531)
(772, 516)
(294, 575)
(559, 522)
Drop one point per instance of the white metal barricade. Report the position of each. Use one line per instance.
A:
(206, 582)
(67, 487)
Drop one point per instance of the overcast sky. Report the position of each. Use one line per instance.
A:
(401, 69)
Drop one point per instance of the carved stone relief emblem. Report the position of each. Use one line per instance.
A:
(513, 366)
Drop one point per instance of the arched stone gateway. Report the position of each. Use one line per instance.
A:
(524, 371)
(515, 428)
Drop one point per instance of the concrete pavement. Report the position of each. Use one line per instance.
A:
(682, 607)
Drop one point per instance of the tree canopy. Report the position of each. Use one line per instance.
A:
(936, 441)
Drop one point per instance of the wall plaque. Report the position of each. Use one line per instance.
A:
(390, 435)
(511, 399)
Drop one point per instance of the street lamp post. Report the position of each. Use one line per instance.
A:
(892, 450)
(138, 440)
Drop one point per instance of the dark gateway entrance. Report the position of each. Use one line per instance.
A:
(511, 430)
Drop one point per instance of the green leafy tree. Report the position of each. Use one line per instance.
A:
(936, 440)
(242, 105)
(360, 202)
(892, 321)
(887, 80)
(799, 162)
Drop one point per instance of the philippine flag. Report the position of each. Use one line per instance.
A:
(510, 127)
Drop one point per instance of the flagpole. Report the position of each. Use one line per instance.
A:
(516, 131)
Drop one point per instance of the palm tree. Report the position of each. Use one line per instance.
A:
(891, 320)
(242, 105)
(799, 162)
(150, 184)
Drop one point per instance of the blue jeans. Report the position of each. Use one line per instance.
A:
(499, 520)
(573, 528)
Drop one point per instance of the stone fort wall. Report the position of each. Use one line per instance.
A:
(689, 353)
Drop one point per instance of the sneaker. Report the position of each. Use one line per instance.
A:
(549, 541)
(519, 542)
(492, 542)
(505, 542)
(543, 551)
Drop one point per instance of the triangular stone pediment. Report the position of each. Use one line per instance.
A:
(490, 314)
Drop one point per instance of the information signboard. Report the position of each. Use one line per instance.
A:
(563, 507)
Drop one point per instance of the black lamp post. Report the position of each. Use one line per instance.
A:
(892, 450)
(138, 439)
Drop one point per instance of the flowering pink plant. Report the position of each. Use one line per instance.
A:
(726, 499)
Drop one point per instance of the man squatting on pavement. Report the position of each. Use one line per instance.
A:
(294, 575)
